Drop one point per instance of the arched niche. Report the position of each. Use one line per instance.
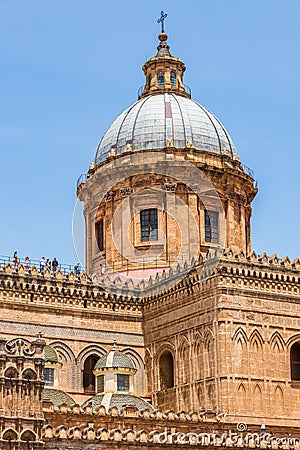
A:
(166, 370)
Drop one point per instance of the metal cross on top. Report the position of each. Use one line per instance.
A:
(161, 20)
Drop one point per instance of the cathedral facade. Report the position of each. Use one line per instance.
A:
(178, 333)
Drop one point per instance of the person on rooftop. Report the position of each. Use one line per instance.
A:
(54, 265)
(27, 263)
(42, 264)
(77, 269)
(16, 259)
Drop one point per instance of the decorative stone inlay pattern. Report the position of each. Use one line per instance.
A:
(63, 331)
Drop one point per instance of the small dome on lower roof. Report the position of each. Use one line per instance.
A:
(119, 400)
(57, 397)
(50, 354)
(163, 120)
(114, 359)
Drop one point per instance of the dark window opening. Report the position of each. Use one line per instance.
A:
(99, 231)
(160, 79)
(49, 376)
(295, 362)
(149, 225)
(100, 383)
(166, 371)
(173, 78)
(88, 376)
(149, 81)
(123, 382)
(211, 226)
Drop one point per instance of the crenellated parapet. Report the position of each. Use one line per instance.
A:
(272, 261)
(142, 428)
(220, 269)
(99, 293)
(260, 273)
(69, 291)
(78, 412)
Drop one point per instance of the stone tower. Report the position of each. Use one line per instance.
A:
(21, 377)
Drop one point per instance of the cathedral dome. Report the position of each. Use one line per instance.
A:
(162, 120)
(134, 227)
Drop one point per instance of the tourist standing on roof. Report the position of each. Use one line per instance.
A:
(27, 263)
(42, 264)
(16, 259)
(77, 269)
(54, 265)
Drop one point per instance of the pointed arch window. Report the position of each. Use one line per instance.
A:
(173, 79)
(88, 376)
(160, 79)
(295, 362)
(166, 370)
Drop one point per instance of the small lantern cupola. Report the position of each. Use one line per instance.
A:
(114, 373)
(52, 367)
(164, 72)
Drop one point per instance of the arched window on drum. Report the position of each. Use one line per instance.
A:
(160, 79)
(173, 79)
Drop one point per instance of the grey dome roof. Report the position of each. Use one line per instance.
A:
(154, 120)
(118, 400)
(114, 359)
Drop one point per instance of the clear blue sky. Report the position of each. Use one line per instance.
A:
(68, 68)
